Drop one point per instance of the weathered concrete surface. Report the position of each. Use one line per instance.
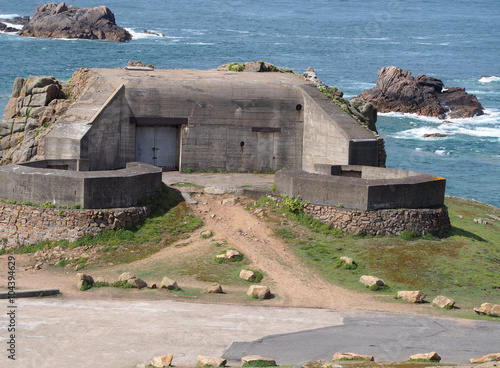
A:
(364, 188)
(224, 120)
(29, 182)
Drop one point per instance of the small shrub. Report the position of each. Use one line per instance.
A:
(121, 284)
(259, 363)
(86, 285)
(48, 204)
(295, 205)
(409, 234)
(376, 287)
(236, 67)
(257, 277)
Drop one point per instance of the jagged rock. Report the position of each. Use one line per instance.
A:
(495, 357)
(213, 288)
(259, 292)
(371, 281)
(162, 361)
(168, 283)
(396, 90)
(352, 356)
(60, 21)
(367, 111)
(152, 285)
(202, 361)
(415, 296)
(81, 277)
(246, 274)
(427, 356)
(249, 359)
(443, 302)
(154, 33)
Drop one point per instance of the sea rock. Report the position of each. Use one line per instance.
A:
(168, 283)
(259, 292)
(442, 301)
(162, 361)
(213, 288)
(495, 357)
(397, 90)
(426, 356)
(246, 274)
(61, 21)
(249, 359)
(202, 361)
(415, 296)
(371, 280)
(352, 356)
(434, 135)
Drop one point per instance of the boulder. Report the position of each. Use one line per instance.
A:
(495, 357)
(488, 309)
(426, 356)
(202, 361)
(126, 276)
(246, 274)
(415, 296)
(347, 260)
(397, 90)
(249, 359)
(60, 21)
(137, 283)
(81, 277)
(229, 254)
(371, 281)
(495, 310)
(213, 288)
(152, 285)
(259, 292)
(162, 361)
(168, 283)
(352, 356)
(442, 301)
(229, 202)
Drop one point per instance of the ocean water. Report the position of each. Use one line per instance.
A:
(345, 41)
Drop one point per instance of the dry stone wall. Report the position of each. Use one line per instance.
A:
(28, 225)
(384, 222)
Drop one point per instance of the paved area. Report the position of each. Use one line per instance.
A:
(55, 332)
(231, 183)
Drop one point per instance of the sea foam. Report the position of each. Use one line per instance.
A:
(489, 79)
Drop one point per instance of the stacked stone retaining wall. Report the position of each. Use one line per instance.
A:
(384, 222)
(29, 225)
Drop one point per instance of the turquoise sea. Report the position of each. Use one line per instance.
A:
(345, 41)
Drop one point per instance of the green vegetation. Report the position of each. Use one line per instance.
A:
(259, 363)
(237, 67)
(236, 258)
(463, 265)
(257, 277)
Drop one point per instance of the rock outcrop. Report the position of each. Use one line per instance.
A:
(352, 356)
(397, 90)
(413, 296)
(259, 292)
(62, 21)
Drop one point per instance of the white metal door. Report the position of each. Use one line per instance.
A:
(156, 145)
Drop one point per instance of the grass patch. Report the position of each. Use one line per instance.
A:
(463, 265)
(259, 363)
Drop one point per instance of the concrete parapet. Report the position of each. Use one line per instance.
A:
(36, 182)
(363, 187)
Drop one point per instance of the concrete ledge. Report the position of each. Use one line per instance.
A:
(363, 187)
(29, 293)
(35, 182)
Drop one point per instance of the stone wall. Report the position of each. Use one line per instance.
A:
(383, 222)
(28, 225)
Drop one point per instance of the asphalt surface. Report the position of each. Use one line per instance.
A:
(388, 337)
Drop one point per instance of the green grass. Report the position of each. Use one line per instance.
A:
(259, 363)
(463, 265)
(170, 221)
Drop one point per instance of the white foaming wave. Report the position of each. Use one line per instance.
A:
(8, 16)
(141, 35)
(236, 31)
(490, 79)
(16, 26)
(400, 115)
(199, 43)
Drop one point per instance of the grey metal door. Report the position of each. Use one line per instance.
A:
(156, 145)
